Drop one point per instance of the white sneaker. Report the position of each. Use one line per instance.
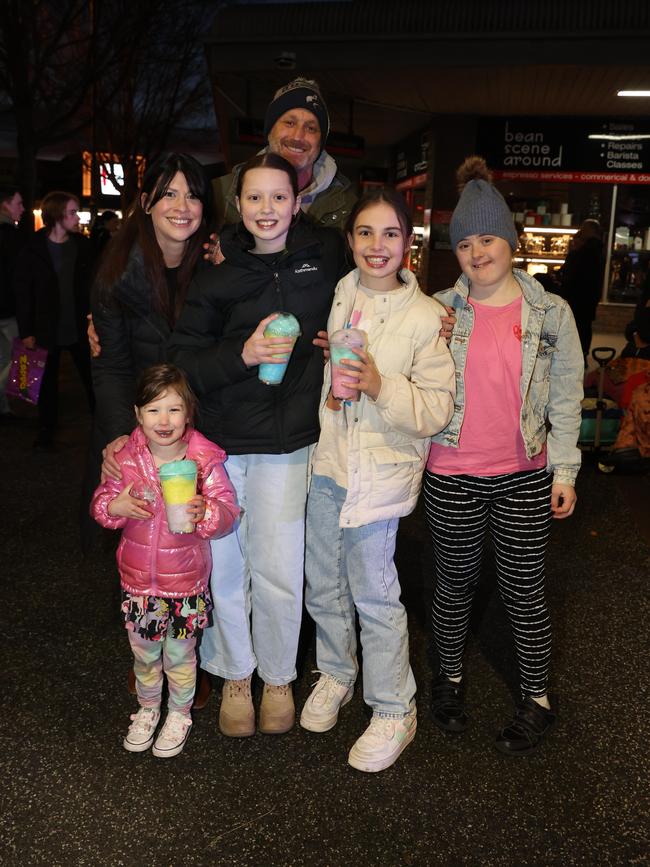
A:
(173, 734)
(382, 742)
(321, 710)
(142, 729)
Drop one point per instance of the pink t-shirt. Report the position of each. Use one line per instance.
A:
(490, 440)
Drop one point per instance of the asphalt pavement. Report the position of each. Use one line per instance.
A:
(73, 796)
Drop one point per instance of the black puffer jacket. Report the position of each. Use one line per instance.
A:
(133, 335)
(223, 308)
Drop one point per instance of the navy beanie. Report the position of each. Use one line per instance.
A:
(298, 96)
(482, 210)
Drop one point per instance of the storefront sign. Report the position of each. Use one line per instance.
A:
(578, 149)
(413, 182)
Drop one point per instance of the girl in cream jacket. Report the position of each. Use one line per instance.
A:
(367, 471)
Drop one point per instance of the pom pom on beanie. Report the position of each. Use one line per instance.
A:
(481, 209)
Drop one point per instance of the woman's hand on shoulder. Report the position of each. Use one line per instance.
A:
(110, 467)
(563, 500)
(126, 506)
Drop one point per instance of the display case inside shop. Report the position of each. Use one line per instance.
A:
(545, 233)
(543, 249)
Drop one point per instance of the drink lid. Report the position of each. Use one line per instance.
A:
(177, 468)
(349, 337)
(286, 325)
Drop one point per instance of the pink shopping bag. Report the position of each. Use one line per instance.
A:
(26, 373)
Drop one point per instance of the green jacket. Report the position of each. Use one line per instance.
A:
(329, 208)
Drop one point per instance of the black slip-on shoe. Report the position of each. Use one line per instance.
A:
(530, 725)
(448, 704)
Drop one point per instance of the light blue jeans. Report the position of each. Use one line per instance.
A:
(258, 570)
(348, 569)
(8, 330)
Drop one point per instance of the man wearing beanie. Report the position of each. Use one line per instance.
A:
(296, 126)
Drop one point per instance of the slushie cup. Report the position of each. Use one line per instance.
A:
(286, 325)
(341, 345)
(178, 482)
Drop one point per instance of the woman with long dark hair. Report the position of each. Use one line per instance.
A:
(142, 283)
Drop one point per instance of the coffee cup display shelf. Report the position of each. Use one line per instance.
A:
(543, 248)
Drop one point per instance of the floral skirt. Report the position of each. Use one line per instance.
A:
(158, 617)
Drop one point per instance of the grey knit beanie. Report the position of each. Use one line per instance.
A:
(481, 209)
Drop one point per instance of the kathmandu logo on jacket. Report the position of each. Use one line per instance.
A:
(305, 268)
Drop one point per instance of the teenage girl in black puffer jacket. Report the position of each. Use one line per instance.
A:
(273, 262)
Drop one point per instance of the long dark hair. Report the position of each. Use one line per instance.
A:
(138, 228)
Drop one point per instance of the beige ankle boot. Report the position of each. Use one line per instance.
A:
(277, 711)
(237, 715)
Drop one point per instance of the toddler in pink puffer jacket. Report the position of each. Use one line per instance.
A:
(164, 575)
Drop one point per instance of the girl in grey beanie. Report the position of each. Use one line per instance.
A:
(508, 459)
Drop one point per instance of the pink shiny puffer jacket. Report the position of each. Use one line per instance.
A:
(151, 560)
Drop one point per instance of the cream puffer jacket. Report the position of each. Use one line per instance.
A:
(388, 439)
(153, 561)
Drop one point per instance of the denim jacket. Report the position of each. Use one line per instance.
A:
(551, 375)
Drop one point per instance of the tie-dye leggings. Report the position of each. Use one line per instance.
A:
(172, 656)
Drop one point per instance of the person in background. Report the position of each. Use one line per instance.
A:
(296, 125)
(105, 226)
(52, 284)
(11, 210)
(637, 331)
(630, 453)
(582, 278)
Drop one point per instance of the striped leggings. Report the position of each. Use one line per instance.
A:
(516, 508)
